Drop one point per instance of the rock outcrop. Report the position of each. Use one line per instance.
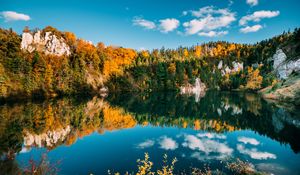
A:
(287, 90)
(48, 43)
(198, 89)
(236, 66)
(282, 66)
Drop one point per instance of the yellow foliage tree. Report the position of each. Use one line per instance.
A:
(185, 53)
(198, 51)
(70, 38)
(172, 68)
(117, 59)
(254, 79)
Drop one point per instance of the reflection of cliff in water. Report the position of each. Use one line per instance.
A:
(51, 124)
(217, 111)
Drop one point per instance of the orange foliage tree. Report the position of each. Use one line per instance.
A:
(116, 59)
(254, 79)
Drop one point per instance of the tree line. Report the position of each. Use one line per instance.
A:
(92, 66)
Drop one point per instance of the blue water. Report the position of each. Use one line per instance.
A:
(263, 134)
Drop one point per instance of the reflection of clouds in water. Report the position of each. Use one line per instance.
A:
(254, 154)
(206, 146)
(202, 157)
(246, 140)
(146, 144)
(167, 143)
(211, 135)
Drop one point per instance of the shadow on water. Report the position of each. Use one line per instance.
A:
(58, 122)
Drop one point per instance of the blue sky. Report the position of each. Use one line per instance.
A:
(155, 23)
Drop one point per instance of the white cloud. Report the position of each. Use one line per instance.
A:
(168, 143)
(254, 154)
(207, 146)
(249, 29)
(14, 16)
(252, 2)
(168, 25)
(184, 13)
(210, 10)
(211, 135)
(246, 140)
(144, 23)
(208, 19)
(213, 33)
(146, 144)
(257, 16)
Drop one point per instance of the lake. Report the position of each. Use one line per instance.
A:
(94, 135)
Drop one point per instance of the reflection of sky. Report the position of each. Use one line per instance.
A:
(119, 150)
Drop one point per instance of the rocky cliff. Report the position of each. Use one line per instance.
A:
(282, 66)
(47, 43)
(288, 72)
(236, 66)
(198, 89)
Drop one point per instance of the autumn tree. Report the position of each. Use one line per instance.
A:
(254, 79)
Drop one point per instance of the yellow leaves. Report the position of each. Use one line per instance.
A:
(85, 47)
(172, 68)
(145, 54)
(254, 79)
(117, 59)
(88, 52)
(198, 51)
(48, 76)
(70, 38)
(185, 53)
(145, 166)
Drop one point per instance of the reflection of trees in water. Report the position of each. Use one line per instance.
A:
(57, 122)
(217, 111)
(50, 124)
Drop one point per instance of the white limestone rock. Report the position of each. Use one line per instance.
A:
(49, 44)
(198, 89)
(236, 67)
(220, 65)
(282, 67)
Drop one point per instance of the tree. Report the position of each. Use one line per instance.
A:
(254, 79)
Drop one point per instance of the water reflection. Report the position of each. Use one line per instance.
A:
(213, 120)
(217, 112)
(54, 123)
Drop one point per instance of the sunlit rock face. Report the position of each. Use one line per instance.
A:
(198, 89)
(48, 139)
(283, 67)
(236, 67)
(48, 43)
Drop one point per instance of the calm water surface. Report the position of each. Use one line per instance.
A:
(95, 135)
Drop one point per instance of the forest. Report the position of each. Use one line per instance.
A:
(91, 67)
